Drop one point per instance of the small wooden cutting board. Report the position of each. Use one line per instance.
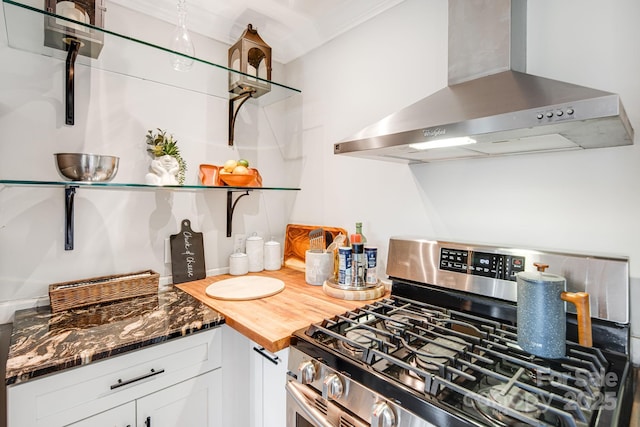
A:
(296, 243)
(245, 288)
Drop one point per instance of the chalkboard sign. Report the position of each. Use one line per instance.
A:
(187, 255)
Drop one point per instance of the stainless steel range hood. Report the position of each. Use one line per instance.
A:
(491, 99)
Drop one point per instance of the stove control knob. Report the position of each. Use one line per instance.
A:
(332, 387)
(382, 415)
(307, 372)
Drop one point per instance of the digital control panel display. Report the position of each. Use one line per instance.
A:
(496, 266)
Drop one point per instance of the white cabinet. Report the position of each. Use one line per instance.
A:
(183, 374)
(194, 402)
(274, 396)
(235, 359)
(254, 383)
(268, 374)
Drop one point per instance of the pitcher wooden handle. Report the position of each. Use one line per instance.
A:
(581, 301)
(540, 266)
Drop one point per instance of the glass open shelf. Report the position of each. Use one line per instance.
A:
(122, 54)
(70, 188)
(126, 55)
(133, 186)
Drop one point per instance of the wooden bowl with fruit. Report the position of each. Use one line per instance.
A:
(234, 173)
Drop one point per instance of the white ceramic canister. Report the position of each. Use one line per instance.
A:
(272, 255)
(238, 264)
(255, 252)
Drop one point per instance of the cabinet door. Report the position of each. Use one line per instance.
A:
(120, 416)
(195, 402)
(236, 362)
(254, 383)
(274, 402)
(268, 395)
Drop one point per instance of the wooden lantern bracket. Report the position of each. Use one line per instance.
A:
(234, 109)
(72, 54)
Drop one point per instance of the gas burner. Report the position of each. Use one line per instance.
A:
(440, 351)
(364, 338)
(509, 369)
(401, 322)
(511, 397)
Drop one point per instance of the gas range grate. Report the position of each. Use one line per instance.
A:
(471, 363)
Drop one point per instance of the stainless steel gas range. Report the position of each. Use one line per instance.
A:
(442, 349)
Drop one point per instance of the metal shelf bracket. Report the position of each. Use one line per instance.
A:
(231, 206)
(74, 48)
(233, 110)
(69, 195)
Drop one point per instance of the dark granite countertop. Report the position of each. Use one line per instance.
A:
(43, 343)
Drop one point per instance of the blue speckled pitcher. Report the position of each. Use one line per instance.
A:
(542, 323)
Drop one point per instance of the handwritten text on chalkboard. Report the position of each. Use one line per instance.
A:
(187, 255)
(190, 256)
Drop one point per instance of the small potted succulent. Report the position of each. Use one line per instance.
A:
(167, 167)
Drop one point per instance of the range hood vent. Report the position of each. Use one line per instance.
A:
(491, 99)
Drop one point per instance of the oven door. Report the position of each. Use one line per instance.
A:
(307, 408)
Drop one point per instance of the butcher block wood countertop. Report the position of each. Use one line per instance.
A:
(271, 321)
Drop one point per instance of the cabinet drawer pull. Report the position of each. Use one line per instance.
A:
(147, 422)
(274, 360)
(121, 383)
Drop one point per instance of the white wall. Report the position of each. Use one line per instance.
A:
(587, 202)
(118, 231)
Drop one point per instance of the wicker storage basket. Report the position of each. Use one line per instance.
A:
(80, 293)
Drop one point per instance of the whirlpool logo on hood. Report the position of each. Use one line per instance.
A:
(430, 133)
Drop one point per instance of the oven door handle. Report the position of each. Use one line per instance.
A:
(316, 417)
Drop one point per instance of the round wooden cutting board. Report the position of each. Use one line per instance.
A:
(245, 288)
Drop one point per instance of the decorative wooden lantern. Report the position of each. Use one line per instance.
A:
(74, 38)
(251, 56)
(59, 32)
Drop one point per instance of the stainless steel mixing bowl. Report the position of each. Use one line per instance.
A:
(87, 167)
